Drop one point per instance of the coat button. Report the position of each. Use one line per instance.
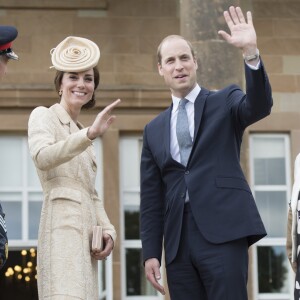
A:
(187, 172)
(94, 168)
(182, 195)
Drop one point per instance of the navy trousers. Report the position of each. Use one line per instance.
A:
(206, 271)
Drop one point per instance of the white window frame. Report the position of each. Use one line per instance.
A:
(271, 241)
(24, 190)
(130, 244)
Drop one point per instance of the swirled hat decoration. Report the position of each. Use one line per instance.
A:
(75, 54)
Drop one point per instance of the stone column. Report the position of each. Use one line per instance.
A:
(219, 63)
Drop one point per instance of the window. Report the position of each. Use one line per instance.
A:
(20, 191)
(134, 282)
(21, 198)
(271, 182)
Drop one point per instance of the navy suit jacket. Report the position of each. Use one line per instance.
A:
(221, 200)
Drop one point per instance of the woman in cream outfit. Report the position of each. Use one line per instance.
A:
(293, 228)
(64, 157)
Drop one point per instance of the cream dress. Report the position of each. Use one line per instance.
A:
(65, 161)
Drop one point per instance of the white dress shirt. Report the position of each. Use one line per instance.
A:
(174, 148)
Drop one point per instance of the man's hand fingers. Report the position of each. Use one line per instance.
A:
(152, 272)
(224, 35)
(228, 20)
(249, 18)
(234, 15)
(240, 15)
(153, 278)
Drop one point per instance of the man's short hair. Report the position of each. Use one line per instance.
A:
(173, 36)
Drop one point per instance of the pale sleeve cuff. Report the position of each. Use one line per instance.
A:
(253, 67)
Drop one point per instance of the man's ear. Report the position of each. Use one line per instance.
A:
(160, 69)
(196, 63)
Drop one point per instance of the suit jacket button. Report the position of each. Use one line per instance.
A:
(187, 172)
(182, 195)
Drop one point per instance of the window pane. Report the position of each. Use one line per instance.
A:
(136, 282)
(268, 147)
(130, 162)
(132, 228)
(269, 161)
(10, 161)
(34, 212)
(32, 177)
(131, 198)
(273, 209)
(269, 171)
(10, 196)
(34, 218)
(13, 219)
(272, 270)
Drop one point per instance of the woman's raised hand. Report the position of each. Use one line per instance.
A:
(102, 122)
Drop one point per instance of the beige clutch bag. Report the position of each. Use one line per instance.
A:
(97, 241)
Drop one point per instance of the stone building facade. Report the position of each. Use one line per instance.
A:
(128, 33)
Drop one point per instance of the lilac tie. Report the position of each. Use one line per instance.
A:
(183, 134)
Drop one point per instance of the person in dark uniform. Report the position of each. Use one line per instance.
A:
(7, 36)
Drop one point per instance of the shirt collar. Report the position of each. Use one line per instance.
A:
(191, 96)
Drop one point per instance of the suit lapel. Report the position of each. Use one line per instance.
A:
(199, 107)
(167, 135)
(167, 129)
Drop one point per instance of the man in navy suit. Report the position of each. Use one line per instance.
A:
(203, 210)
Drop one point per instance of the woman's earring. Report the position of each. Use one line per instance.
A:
(60, 93)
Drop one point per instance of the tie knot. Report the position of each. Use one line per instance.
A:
(183, 102)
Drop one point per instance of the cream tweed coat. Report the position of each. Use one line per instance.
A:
(65, 161)
(293, 225)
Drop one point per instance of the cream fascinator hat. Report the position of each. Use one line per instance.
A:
(75, 54)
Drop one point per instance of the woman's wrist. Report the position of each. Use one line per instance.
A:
(90, 134)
